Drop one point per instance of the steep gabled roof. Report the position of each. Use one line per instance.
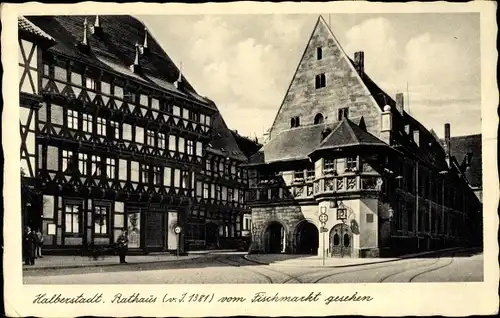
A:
(348, 134)
(114, 49)
(246, 144)
(460, 147)
(26, 25)
(222, 141)
(289, 145)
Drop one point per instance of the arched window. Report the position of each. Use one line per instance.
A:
(320, 80)
(297, 121)
(319, 53)
(347, 239)
(336, 238)
(318, 119)
(292, 122)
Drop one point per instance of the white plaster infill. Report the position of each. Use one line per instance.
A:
(330, 262)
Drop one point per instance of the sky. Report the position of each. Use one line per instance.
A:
(245, 63)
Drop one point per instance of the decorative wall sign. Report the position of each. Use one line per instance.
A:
(341, 214)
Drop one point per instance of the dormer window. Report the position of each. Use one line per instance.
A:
(320, 80)
(343, 113)
(319, 53)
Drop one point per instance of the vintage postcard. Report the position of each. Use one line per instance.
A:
(191, 160)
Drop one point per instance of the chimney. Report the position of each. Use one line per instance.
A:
(359, 62)
(400, 103)
(447, 142)
(145, 47)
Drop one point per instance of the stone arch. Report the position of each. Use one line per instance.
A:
(306, 236)
(274, 235)
(319, 119)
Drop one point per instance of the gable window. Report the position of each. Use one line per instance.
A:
(295, 122)
(343, 113)
(319, 53)
(72, 119)
(87, 123)
(101, 126)
(320, 80)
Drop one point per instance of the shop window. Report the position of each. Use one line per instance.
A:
(101, 215)
(72, 219)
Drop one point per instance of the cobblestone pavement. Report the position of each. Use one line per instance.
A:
(234, 268)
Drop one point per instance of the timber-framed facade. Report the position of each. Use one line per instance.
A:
(114, 136)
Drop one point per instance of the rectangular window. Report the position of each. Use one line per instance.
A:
(320, 80)
(67, 160)
(199, 149)
(144, 100)
(46, 69)
(101, 126)
(101, 215)
(329, 166)
(144, 173)
(351, 164)
(343, 113)
(114, 130)
(176, 111)
(218, 192)
(76, 79)
(139, 135)
(105, 88)
(298, 174)
(150, 138)
(181, 146)
(319, 53)
(172, 146)
(87, 123)
(157, 175)
(118, 92)
(310, 173)
(185, 113)
(155, 103)
(193, 116)
(221, 167)
(190, 147)
(82, 163)
(72, 219)
(230, 195)
(72, 119)
(177, 178)
(110, 167)
(127, 132)
(167, 176)
(206, 190)
(60, 74)
(208, 165)
(185, 179)
(90, 84)
(161, 140)
(95, 165)
(131, 97)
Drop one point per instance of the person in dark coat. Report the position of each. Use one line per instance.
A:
(122, 243)
(29, 246)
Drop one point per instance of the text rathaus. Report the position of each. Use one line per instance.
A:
(114, 136)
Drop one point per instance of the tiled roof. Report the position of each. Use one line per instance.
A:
(289, 145)
(462, 145)
(348, 134)
(247, 145)
(26, 25)
(222, 141)
(115, 49)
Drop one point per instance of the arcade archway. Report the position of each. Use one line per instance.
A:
(274, 238)
(307, 238)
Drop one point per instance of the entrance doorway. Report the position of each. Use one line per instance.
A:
(211, 234)
(307, 238)
(340, 240)
(273, 238)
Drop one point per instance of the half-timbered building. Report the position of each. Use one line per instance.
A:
(347, 171)
(114, 136)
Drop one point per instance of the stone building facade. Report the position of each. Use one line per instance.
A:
(346, 171)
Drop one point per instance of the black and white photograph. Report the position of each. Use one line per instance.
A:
(214, 148)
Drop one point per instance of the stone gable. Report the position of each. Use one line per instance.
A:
(344, 87)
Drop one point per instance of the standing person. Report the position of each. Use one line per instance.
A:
(29, 246)
(122, 245)
(39, 243)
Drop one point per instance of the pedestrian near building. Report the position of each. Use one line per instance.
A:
(29, 245)
(122, 242)
(39, 243)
